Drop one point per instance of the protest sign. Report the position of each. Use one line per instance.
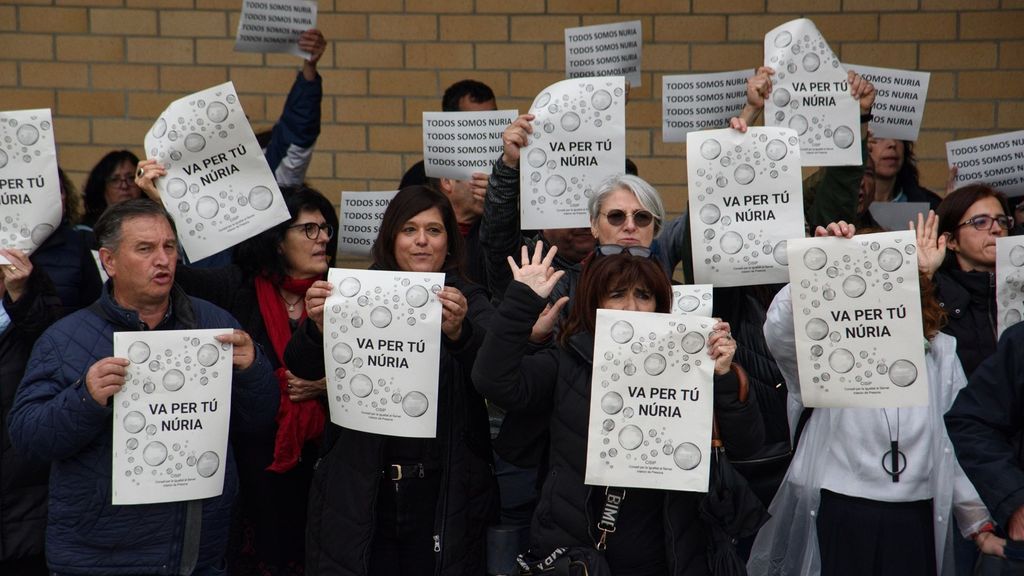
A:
(994, 160)
(651, 402)
(171, 416)
(218, 187)
(897, 216)
(811, 94)
(696, 299)
(857, 318)
(746, 194)
(604, 50)
(1009, 281)
(899, 100)
(361, 213)
(692, 102)
(457, 144)
(274, 25)
(382, 345)
(30, 204)
(578, 140)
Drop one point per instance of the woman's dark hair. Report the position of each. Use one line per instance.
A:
(409, 202)
(602, 276)
(261, 255)
(96, 183)
(953, 207)
(908, 177)
(72, 200)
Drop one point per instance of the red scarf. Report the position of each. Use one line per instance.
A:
(297, 422)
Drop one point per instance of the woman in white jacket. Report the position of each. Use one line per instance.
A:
(839, 510)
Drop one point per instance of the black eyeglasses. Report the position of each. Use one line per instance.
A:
(984, 222)
(126, 180)
(642, 218)
(613, 249)
(312, 229)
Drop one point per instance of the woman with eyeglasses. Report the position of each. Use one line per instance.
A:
(111, 181)
(957, 249)
(387, 505)
(265, 289)
(658, 532)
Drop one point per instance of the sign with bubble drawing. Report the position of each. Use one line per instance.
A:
(578, 140)
(274, 25)
(218, 187)
(651, 401)
(692, 102)
(811, 94)
(171, 417)
(382, 346)
(30, 205)
(746, 192)
(1009, 281)
(696, 299)
(857, 319)
(458, 144)
(605, 50)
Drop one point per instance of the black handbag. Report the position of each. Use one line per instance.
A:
(575, 561)
(732, 511)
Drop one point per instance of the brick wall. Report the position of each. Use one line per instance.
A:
(108, 67)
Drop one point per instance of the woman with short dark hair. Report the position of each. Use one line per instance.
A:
(111, 181)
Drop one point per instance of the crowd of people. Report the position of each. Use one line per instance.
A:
(304, 495)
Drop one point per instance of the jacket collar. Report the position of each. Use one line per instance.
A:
(583, 344)
(179, 314)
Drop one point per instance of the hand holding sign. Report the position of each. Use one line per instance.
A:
(722, 347)
(516, 136)
(316, 298)
(244, 351)
(105, 378)
(453, 311)
(15, 274)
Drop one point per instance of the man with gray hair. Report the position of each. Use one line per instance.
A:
(62, 412)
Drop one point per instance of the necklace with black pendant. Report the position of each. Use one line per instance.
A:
(894, 462)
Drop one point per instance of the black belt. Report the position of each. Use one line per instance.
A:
(396, 472)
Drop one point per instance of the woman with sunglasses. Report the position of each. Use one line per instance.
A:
(958, 251)
(264, 289)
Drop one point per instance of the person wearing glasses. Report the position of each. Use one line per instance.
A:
(264, 289)
(957, 249)
(110, 182)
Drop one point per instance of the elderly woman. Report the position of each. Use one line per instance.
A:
(364, 519)
(658, 531)
(264, 290)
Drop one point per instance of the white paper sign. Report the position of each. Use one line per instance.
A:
(171, 417)
(457, 144)
(579, 139)
(896, 216)
(691, 102)
(650, 402)
(99, 266)
(274, 25)
(1009, 281)
(218, 187)
(899, 100)
(746, 193)
(857, 318)
(696, 299)
(994, 160)
(361, 213)
(30, 206)
(605, 50)
(382, 345)
(811, 94)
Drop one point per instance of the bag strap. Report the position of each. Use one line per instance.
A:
(805, 415)
(613, 498)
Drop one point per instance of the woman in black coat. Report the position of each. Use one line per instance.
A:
(387, 505)
(658, 531)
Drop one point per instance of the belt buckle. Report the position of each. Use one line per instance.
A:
(396, 472)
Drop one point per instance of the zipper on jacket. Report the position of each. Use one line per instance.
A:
(437, 542)
(445, 479)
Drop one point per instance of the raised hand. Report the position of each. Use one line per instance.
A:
(839, 229)
(536, 272)
(722, 347)
(545, 323)
(515, 137)
(759, 86)
(862, 89)
(931, 246)
(145, 177)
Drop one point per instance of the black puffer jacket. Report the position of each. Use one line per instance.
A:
(23, 480)
(67, 259)
(558, 380)
(969, 299)
(343, 496)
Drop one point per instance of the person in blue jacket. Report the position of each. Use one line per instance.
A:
(62, 411)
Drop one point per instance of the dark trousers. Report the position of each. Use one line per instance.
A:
(28, 566)
(403, 540)
(857, 536)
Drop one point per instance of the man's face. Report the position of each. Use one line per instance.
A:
(468, 207)
(142, 266)
(573, 243)
(467, 104)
